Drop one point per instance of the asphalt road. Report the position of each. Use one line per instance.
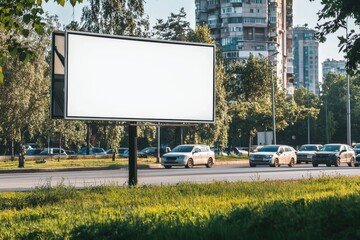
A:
(80, 179)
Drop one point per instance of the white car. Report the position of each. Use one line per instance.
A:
(274, 156)
(189, 155)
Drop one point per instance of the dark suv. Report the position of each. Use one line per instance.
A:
(153, 151)
(334, 154)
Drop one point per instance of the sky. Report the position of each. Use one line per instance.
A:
(304, 13)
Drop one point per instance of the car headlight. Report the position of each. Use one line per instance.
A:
(182, 157)
(268, 157)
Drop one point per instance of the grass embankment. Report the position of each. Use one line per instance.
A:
(325, 208)
(85, 161)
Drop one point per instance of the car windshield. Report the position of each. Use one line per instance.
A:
(308, 148)
(147, 150)
(357, 145)
(183, 149)
(269, 149)
(330, 148)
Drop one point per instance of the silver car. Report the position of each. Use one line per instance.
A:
(274, 156)
(189, 155)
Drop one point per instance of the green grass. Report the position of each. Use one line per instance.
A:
(324, 208)
(73, 162)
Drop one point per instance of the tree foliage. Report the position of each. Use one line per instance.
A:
(117, 17)
(175, 28)
(333, 100)
(250, 96)
(336, 13)
(18, 17)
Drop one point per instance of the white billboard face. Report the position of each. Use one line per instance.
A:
(135, 79)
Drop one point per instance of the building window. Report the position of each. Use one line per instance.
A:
(248, 33)
(254, 20)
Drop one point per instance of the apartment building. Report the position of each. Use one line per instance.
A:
(332, 65)
(306, 59)
(258, 27)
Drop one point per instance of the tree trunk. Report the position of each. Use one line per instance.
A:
(12, 150)
(21, 151)
(250, 143)
(87, 139)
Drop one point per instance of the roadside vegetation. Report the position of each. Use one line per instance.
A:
(322, 208)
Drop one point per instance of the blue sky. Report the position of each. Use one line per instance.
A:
(304, 12)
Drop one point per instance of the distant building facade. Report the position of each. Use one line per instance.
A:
(306, 59)
(332, 65)
(258, 27)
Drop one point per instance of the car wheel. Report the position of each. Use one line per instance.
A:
(337, 163)
(292, 163)
(277, 164)
(252, 165)
(328, 165)
(210, 163)
(356, 165)
(315, 165)
(167, 167)
(351, 163)
(189, 164)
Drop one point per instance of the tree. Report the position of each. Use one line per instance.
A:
(175, 28)
(117, 17)
(17, 18)
(249, 95)
(333, 109)
(305, 104)
(25, 92)
(336, 12)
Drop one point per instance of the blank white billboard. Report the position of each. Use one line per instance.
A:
(135, 79)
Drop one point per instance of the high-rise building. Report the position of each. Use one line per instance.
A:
(306, 59)
(258, 27)
(332, 65)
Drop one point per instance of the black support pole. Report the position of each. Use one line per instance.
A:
(133, 155)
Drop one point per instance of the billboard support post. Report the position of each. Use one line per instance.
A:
(133, 155)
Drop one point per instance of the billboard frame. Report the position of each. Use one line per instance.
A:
(139, 119)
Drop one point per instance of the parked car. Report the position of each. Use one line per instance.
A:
(92, 151)
(334, 154)
(120, 151)
(189, 155)
(218, 152)
(30, 145)
(356, 148)
(53, 151)
(274, 156)
(153, 151)
(306, 152)
(139, 154)
(33, 151)
(70, 152)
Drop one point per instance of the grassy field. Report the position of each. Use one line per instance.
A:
(73, 162)
(324, 208)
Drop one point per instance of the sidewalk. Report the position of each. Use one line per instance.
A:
(242, 163)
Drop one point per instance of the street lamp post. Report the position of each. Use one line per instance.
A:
(348, 114)
(273, 99)
(273, 107)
